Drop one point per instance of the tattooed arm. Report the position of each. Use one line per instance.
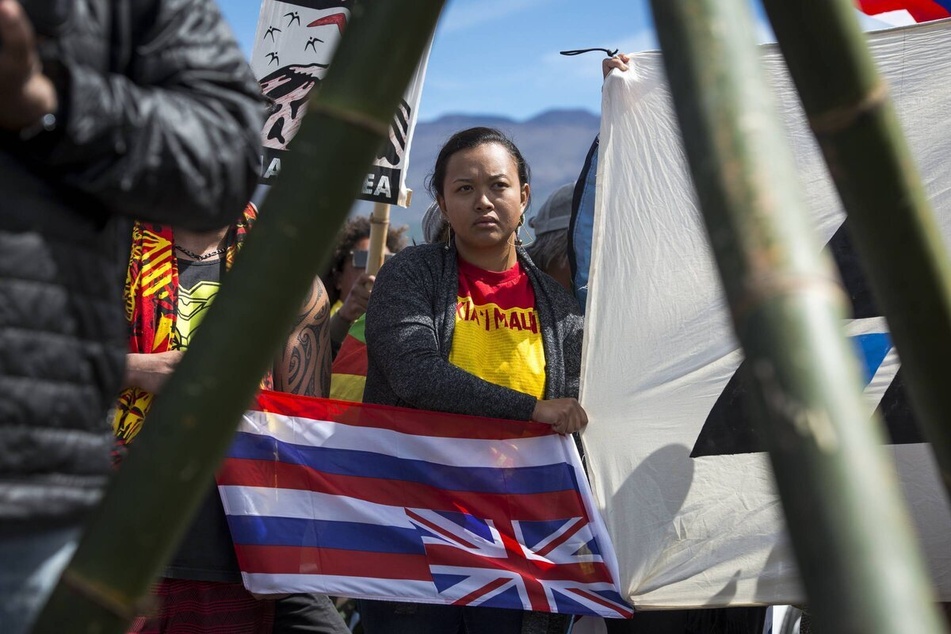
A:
(303, 366)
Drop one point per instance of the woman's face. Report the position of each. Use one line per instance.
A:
(482, 198)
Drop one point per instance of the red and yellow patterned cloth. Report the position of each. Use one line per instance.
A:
(151, 305)
(349, 371)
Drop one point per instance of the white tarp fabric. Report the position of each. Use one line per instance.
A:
(660, 353)
(293, 47)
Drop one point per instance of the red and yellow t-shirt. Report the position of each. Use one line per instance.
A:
(498, 336)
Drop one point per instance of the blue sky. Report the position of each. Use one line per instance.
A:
(501, 57)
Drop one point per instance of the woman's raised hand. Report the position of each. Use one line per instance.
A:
(619, 61)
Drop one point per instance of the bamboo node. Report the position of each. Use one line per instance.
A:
(358, 119)
(100, 596)
(837, 119)
(764, 289)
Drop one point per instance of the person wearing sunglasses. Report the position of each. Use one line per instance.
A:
(347, 282)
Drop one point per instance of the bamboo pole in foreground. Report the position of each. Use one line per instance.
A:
(148, 504)
(379, 226)
(896, 235)
(861, 568)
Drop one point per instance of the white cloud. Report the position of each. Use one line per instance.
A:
(466, 14)
(646, 40)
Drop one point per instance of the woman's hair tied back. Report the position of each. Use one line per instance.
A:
(466, 140)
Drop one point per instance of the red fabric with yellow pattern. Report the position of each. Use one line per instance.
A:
(151, 304)
(349, 371)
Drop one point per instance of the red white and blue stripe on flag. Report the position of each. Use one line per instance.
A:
(377, 502)
(919, 10)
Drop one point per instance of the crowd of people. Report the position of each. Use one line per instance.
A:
(125, 178)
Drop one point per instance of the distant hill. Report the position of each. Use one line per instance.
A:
(554, 143)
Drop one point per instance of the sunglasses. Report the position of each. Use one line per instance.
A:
(359, 258)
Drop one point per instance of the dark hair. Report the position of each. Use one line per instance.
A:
(547, 248)
(355, 230)
(466, 140)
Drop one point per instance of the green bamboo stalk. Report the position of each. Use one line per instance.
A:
(149, 503)
(861, 568)
(895, 232)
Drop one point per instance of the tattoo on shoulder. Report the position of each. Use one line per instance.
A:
(305, 366)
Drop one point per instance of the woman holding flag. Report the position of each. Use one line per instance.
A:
(473, 327)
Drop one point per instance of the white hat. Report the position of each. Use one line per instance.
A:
(555, 212)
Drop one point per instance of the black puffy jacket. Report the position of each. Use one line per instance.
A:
(160, 118)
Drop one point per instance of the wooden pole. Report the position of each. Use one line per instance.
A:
(379, 226)
(859, 562)
(890, 218)
(149, 503)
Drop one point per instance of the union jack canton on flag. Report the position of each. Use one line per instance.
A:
(376, 502)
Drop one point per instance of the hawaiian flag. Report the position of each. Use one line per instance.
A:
(377, 502)
(919, 10)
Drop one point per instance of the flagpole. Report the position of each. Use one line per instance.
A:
(379, 227)
(889, 216)
(148, 504)
(858, 559)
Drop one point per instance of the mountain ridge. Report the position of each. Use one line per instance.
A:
(554, 144)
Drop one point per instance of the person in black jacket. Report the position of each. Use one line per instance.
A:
(115, 109)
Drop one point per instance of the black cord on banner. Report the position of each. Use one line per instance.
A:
(579, 51)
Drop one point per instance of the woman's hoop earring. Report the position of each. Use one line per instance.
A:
(449, 239)
(518, 230)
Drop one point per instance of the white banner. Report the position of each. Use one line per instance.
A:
(684, 483)
(293, 49)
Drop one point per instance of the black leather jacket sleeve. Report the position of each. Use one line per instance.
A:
(172, 136)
